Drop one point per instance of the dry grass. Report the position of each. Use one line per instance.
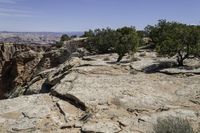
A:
(173, 125)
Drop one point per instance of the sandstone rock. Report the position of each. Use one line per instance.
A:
(143, 94)
(23, 62)
(37, 87)
(62, 71)
(97, 95)
(17, 65)
(38, 113)
(106, 87)
(101, 127)
(18, 71)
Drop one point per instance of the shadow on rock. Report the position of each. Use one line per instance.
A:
(159, 66)
(46, 88)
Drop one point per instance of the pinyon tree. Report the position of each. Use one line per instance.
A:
(176, 39)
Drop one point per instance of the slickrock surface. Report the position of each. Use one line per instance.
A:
(97, 95)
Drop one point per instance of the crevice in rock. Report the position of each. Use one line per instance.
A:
(195, 101)
(58, 78)
(24, 130)
(71, 99)
(46, 88)
(86, 117)
(61, 111)
(25, 115)
(185, 74)
(163, 108)
(89, 65)
(138, 111)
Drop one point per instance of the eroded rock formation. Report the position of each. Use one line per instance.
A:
(95, 94)
(20, 63)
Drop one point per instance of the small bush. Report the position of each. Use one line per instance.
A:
(173, 125)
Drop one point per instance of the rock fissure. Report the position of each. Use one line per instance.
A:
(26, 116)
(62, 112)
(71, 99)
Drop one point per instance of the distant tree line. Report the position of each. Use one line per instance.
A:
(168, 38)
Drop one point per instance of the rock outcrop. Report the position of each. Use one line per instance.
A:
(38, 113)
(95, 94)
(17, 65)
(21, 63)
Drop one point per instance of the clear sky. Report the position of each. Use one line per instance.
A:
(80, 15)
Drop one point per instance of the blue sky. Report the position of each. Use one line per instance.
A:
(80, 15)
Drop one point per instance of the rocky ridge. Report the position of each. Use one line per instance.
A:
(95, 94)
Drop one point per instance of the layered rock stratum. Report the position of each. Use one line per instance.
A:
(57, 90)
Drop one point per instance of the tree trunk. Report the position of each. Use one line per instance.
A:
(180, 62)
(119, 58)
(180, 59)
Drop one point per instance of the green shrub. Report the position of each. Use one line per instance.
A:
(175, 39)
(64, 37)
(121, 41)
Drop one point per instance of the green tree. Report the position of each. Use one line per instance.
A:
(73, 36)
(175, 39)
(141, 35)
(64, 37)
(89, 33)
(104, 40)
(127, 41)
(107, 40)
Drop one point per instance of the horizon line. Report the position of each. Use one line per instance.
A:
(9, 31)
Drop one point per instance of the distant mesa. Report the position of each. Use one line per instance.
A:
(33, 37)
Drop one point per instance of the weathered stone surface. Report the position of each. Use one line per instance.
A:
(152, 90)
(38, 113)
(102, 87)
(96, 94)
(64, 69)
(37, 87)
(101, 127)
